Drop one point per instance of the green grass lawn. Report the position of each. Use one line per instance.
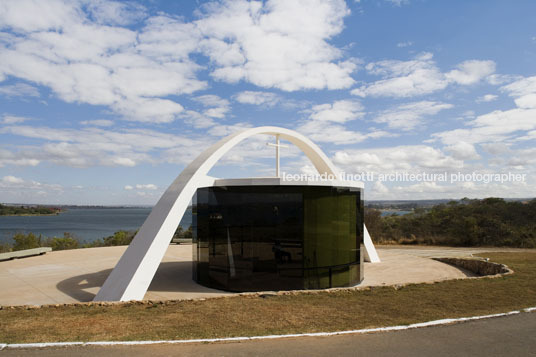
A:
(281, 314)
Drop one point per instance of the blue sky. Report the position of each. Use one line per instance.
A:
(105, 102)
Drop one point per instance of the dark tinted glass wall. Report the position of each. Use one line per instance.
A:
(255, 238)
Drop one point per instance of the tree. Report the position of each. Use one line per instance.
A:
(373, 221)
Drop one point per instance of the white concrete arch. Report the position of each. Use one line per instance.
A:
(134, 272)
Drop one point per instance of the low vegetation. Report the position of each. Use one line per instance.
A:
(30, 240)
(22, 241)
(27, 210)
(280, 314)
(118, 238)
(487, 222)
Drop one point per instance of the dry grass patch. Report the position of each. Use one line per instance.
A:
(281, 314)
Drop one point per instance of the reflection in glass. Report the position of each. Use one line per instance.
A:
(257, 238)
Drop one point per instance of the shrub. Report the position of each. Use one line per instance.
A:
(119, 238)
(26, 241)
(5, 247)
(63, 243)
(94, 244)
(181, 233)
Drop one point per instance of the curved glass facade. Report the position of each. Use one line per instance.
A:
(257, 238)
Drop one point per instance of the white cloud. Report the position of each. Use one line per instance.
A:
(463, 151)
(339, 112)
(435, 190)
(114, 13)
(379, 187)
(19, 90)
(16, 189)
(471, 72)
(214, 108)
(526, 101)
(411, 158)
(119, 161)
(495, 148)
(85, 52)
(496, 126)
(257, 98)
(487, 98)
(531, 135)
(403, 78)
(12, 119)
(35, 15)
(224, 130)
(12, 180)
(507, 121)
(94, 146)
(268, 100)
(98, 122)
(17, 158)
(409, 116)
(404, 44)
(217, 107)
(325, 123)
(523, 159)
(196, 119)
(85, 61)
(468, 115)
(148, 186)
(211, 100)
(419, 76)
(398, 2)
(328, 132)
(149, 109)
(269, 46)
(524, 92)
(498, 79)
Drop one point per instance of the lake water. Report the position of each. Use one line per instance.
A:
(393, 212)
(87, 224)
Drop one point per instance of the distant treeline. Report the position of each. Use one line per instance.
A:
(27, 210)
(400, 206)
(486, 222)
(30, 240)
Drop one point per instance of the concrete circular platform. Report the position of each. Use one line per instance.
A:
(77, 275)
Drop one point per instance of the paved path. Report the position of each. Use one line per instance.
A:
(76, 275)
(504, 336)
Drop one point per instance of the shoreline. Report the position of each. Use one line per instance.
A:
(30, 214)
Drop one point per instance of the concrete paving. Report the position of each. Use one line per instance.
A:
(76, 275)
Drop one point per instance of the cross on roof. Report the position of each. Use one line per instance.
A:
(277, 145)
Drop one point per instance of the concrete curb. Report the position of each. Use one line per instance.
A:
(480, 266)
(24, 253)
(245, 338)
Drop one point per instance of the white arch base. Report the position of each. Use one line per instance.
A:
(134, 272)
